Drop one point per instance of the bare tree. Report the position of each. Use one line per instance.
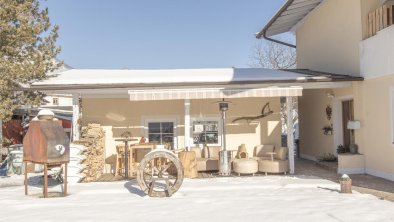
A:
(272, 56)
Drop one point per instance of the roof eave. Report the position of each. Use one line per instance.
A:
(124, 86)
(263, 32)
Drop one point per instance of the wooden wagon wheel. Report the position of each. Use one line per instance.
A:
(160, 173)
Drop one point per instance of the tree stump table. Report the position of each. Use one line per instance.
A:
(189, 163)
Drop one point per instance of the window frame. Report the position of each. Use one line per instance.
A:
(55, 101)
(206, 119)
(161, 120)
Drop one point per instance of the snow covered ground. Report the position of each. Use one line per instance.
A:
(271, 198)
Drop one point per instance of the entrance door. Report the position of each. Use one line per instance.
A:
(347, 114)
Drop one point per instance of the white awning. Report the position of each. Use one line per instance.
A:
(212, 93)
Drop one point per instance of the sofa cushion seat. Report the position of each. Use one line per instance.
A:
(262, 158)
(275, 166)
(280, 153)
(262, 150)
(207, 164)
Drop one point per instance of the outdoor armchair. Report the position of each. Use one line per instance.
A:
(262, 152)
(277, 164)
(207, 158)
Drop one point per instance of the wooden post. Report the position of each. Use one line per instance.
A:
(385, 16)
(45, 180)
(25, 162)
(370, 30)
(65, 180)
(373, 23)
(381, 18)
(377, 20)
(290, 135)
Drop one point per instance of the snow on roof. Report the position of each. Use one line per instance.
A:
(168, 76)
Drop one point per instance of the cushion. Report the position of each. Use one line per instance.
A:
(206, 164)
(197, 150)
(212, 151)
(261, 150)
(280, 153)
(276, 166)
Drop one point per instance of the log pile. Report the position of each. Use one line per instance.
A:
(92, 137)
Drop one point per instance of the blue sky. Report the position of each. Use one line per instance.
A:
(159, 34)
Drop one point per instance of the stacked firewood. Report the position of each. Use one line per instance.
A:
(92, 137)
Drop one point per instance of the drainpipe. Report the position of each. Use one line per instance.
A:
(263, 32)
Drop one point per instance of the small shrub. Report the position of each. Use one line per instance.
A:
(328, 157)
(343, 149)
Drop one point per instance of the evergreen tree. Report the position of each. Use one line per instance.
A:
(27, 52)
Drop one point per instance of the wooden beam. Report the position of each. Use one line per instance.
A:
(373, 23)
(380, 18)
(385, 16)
(377, 24)
(370, 28)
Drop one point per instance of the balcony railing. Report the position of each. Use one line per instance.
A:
(380, 18)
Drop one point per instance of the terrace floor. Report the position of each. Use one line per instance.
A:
(361, 182)
(259, 198)
(381, 188)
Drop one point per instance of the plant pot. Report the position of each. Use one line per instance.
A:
(353, 148)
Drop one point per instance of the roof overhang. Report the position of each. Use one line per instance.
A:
(189, 83)
(288, 16)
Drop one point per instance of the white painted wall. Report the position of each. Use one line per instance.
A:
(377, 54)
(63, 100)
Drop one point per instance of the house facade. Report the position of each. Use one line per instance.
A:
(180, 106)
(353, 37)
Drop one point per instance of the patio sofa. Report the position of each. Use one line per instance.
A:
(261, 152)
(207, 158)
(277, 164)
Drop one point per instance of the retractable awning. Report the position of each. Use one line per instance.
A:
(212, 93)
(288, 16)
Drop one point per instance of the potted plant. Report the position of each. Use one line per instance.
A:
(327, 130)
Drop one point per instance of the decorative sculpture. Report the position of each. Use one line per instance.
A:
(266, 111)
(160, 173)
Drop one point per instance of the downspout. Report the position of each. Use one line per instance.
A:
(263, 32)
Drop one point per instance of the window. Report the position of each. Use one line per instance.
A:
(55, 101)
(161, 132)
(205, 132)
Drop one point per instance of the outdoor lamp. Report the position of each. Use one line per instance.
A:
(223, 106)
(224, 155)
(352, 125)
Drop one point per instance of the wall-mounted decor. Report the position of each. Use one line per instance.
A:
(328, 129)
(329, 112)
(266, 111)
